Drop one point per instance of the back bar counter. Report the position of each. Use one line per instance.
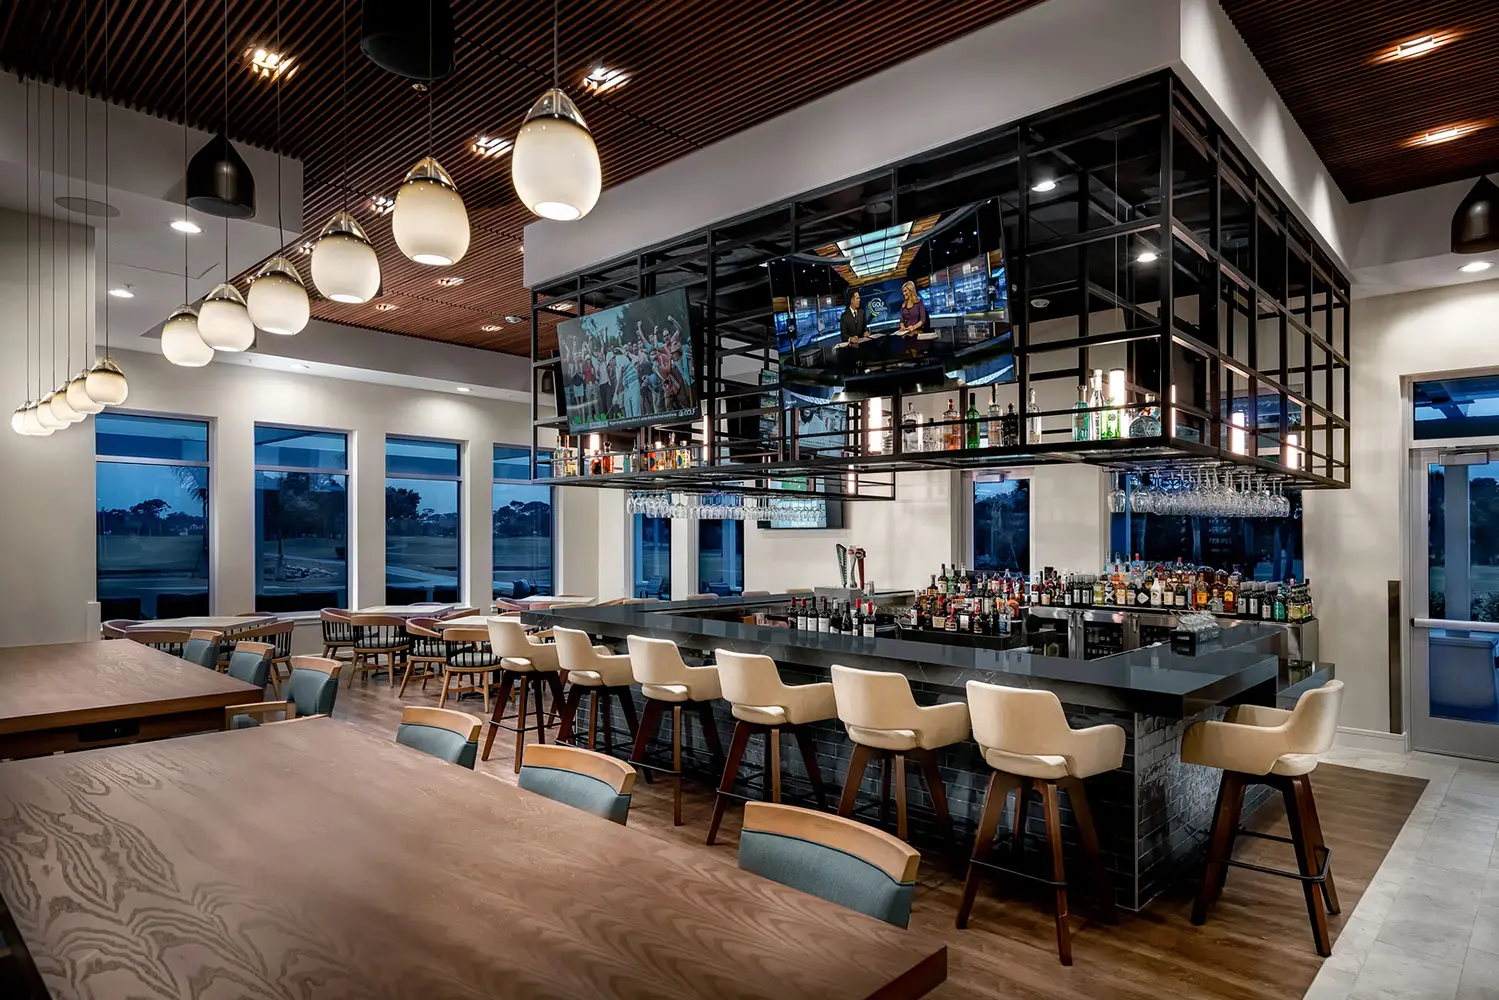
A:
(1153, 814)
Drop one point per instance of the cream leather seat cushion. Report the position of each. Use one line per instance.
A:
(935, 726)
(666, 692)
(585, 678)
(1087, 752)
(1293, 764)
(801, 704)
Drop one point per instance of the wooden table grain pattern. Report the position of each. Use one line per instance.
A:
(312, 860)
(76, 695)
(216, 623)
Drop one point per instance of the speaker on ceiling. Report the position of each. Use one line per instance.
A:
(219, 181)
(394, 36)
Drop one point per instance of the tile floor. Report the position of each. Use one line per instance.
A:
(1428, 926)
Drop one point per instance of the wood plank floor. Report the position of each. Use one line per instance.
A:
(1257, 944)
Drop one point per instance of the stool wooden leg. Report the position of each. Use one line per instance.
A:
(676, 765)
(627, 706)
(710, 732)
(1092, 852)
(856, 765)
(983, 842)
(569, 712)
(1309, 811)
(593, 715)
(935, 787)
(1017, 818)
(742, 733)
(1295, 791)
(775, 764)
(649, 726)
(809, 761)
(1058, 869)
(506, 677)
(900, 796)
(1230, 792)
(1235, 814)
(885, 764)
(523, 681)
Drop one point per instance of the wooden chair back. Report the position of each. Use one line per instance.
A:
(251, 662)
(115, 627)
(443, 733)
(168, 640)
(584, 779)
(202, 648)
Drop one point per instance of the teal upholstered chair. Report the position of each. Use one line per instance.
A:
(251, 662)
(443, 733)
(202, 648)
(837, 859)
(586, 780)
(310, 690)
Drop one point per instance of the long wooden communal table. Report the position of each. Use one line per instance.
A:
(308, 859)
(78, 695)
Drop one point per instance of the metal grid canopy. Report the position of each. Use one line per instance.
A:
(1137, 238)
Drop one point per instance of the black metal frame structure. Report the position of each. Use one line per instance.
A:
(1238, 311)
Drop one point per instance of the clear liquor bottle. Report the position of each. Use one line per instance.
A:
(994, 427)
(910, 428)
(951, 433)
(1081, 418)
(1032, 419)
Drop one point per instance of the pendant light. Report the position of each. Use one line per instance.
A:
(57, 401)
(35, 424)
(106, 383)
(219, 181)
(1475, 224)
(77, 389)
(181, 342)
(555, 164)
(22, 421)
(62, 406)
(399, 40)
(278, 299)
(344, 265)
(223, 321)
(429, 222)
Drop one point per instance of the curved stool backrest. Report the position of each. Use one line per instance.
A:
(749, 678)
(1018, 720)
(656, 661)
(1314, 720)
(443, 733)
(593, 782)
(873, 699)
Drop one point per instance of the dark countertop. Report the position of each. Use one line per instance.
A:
(1152, 680)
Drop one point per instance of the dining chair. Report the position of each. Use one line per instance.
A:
(202, 648)
(251, 662)
(428, 652)
(376, 636)
(836, 859)
(584, 779)
(459, 613)
(277, 632)
(116, 628)
(338, 634)
(311, 689)
(168, 640)
(443, 733)
(467, 664)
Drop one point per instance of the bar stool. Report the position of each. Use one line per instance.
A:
(1270, 746)
(599, 673)
(764, 706)
(529, 664)
(1024, 736)
(884, 721)
(665, 680)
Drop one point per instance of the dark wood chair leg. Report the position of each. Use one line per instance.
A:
(593, 715)
(676, 765)
(1234, 816)
(648, 728)
(983, 842)
(1017, 818)
(773, 756)
(627, 706)
(885, 764)
(856, 765)
(900, 795)
(542, 683)
(932, 775)
(506, 679)
(1092, 851)
(809, 761)
(1294, 791)
(1230, 790)
(526, 686)
(569, 713)
(710, 732)
(1058, 869)
(742, 733)
(1309, 811)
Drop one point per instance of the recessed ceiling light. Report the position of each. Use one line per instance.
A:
(1044, 186)
(385, 306)
(1418, 46)
(1040, 303)
(184, 226)
(1476, 266)
(450, 281)
(491, 145)
(122, 293)
(307, 246)
(419, 87)
(491, 327)
(464, 388)
(265, 64)
(1147, 257)
(1444, 134)
(512, 318)
(603, 79)
(382, 204)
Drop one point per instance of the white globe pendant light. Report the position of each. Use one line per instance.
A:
(278, 299)
(34, 425)
(18, 420)
(45, 416)
(555, 164)
(224, 322)
(106, 383)
(62, 409)
(429, 222)
(344, 266)
(78, 397)
(181, 342)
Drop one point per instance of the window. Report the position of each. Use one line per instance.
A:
(522, 525)
(720, 553)
(652, 556)
(1002, 525)
(1263, 548)
(1456, 407)
(152, 516)
(301, 519)
(423, 533)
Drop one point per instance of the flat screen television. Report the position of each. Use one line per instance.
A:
(919, 305)
(629, 366)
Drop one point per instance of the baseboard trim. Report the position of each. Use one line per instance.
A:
(1350, 738)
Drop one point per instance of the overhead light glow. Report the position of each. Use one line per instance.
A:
(122, 293)
(1476, 266)
(491, 145)
(1445, 134)
(464, 388)
(603, 79)
(302, 367)
(491, 327)
(1418, 46)
(381, 204)
(385, 307)
(267, 65)
(184, 226)
(512, 318)
(450, 281)
(1147, 257)
(1041, 187)
(876, 252)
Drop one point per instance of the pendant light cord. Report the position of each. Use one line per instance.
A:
(67, 233)
(280, 55)
(52, 215)
(185, 298)
(343, 56)
(431, 79)
(107, 296)
(26, 375)
(556, 71)
(226, 128)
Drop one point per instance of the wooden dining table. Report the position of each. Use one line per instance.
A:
(311, 859)
(408, 610)
(77, 695)
(214, 623)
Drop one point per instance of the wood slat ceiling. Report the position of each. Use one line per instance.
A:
(1358, 110)
(700, 70)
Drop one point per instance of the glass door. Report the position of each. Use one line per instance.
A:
(1454, 506)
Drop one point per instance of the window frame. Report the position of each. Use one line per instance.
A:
(551, 504)
(457, 479)
(347, 472)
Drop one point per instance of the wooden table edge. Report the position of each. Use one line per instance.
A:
(917, 981)
(133, 710)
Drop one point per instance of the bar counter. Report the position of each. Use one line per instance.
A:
(1153, 813)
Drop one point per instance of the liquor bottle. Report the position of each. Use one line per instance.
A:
(1279, 609)
(1006, 620)
(1095, 403)
(1202, 596)
(1146, 421)
(824, 619)
(964, 618)
(1231, 595)
(1032, 419)
(1182, 600)
(1010, 426)
(1081, 418)
(971, 421)
(856, 619)
(951, 433)
(1267, 603)
(952, 615)
(1215, 598)
(1251, 602)
(1099, 598)
(869, 620)
(1157, 592)
(943, 582)
(939, 615)
(1143, 591)
(910, 429)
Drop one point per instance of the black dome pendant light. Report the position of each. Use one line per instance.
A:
(407, 38)
(1475, 224)
(219, 181)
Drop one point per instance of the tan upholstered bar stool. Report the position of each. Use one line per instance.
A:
(764, 706)
(600, 674)
(667, 681)
(884, 721)
(1270, 746)
(1024, 736)
(532, 665)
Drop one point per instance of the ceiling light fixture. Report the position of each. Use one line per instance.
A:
(1475, 224)
(512, 318)
(464, 388)
(1147, 257)
(266, 64)
(344, 265)
(123, 292)
(385, 307)
(184, 226)
(382, 204)
(555, 166)
(491, 145)
(413, 40)
(450, 282)
(1447, 133)
(491, 327)
(1476, 267)
(1041, 187)
(181, 343)
(1418, 46)
(603, 79)
(105, 383)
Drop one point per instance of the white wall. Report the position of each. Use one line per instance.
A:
(1355, 538)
